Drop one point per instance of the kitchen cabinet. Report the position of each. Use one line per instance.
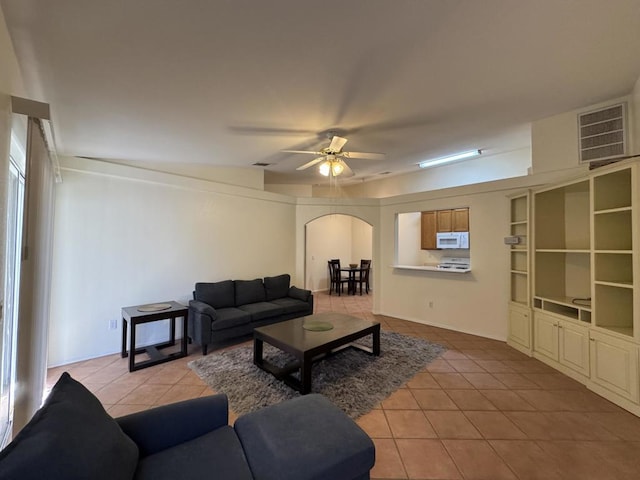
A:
(428, 230)
(447, 220)
(460, 218)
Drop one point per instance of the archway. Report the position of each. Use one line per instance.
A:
(334, 236)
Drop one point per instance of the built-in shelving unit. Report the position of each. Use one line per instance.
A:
(583, 281)
(519, 252)
(613, 251)
(519, 335)
(563, 251)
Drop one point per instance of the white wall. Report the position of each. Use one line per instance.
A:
(555, 139)
(510, 164)
(334, 236)
(475, 302)
(121, 241)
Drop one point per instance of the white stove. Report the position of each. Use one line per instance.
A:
(454, 263)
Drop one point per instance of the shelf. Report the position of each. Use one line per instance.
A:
(562, 274)
(519, 261)
(612, 231)
(612, 210)
(614, 268)
(520, 272)
(562, 250)
(522, 222)
(615, 284)
(519, 209)
(613, 307)
(564, 307)
(626, 331)
(562, 217)
(612, 190)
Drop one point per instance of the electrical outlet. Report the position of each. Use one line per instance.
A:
(113, 324)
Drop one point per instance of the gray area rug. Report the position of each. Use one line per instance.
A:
(354, 380)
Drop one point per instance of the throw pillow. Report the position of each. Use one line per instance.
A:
(249, 291)
(277, 287)
(217, 294)
(71, 437)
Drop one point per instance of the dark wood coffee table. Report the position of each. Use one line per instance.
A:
(310, 346)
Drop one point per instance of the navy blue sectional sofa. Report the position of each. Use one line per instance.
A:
(233, 308)
(72, 437)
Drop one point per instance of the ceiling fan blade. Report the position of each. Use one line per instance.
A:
(302, 151)
(337, 143)
(372, 156)
(311, 163)
(249, 130)
(347, 172)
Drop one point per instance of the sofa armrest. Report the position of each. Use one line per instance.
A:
(162, 427)
(302, 294)
(201, 316)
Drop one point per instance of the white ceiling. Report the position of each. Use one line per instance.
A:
(233, 82)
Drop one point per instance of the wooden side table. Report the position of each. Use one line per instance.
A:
(139, 314)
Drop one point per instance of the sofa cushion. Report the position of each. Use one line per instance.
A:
(261, 310)
(249, 291)
(230, 317)
(291, 305)
(70, 437)
(217, 294)
(217, 454)
(300, 294)
(277, 287)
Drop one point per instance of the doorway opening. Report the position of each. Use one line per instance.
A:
(345, 237)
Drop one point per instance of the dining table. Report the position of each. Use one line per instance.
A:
(351, 272)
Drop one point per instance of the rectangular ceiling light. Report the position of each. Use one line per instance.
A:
(450, 158)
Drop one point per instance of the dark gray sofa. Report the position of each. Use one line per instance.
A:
(233, 308)
(72, 437)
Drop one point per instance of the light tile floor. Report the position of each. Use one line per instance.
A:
(481, 411)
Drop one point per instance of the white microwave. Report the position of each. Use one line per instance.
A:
(452, 240)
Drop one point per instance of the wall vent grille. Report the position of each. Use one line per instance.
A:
(603, 133)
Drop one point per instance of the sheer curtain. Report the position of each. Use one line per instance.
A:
(35, 275)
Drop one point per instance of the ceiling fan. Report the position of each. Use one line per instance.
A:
(332, 157)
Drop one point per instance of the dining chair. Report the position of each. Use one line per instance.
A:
(365, 267)
(336, 279)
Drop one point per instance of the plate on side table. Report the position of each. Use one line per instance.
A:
(154, 307)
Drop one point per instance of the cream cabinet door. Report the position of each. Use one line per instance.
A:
(545, 335)
(574, 347)
(614, 365)
(520, 326)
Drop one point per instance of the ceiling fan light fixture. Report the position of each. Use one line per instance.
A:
(337, 168)
(450, 158)
(325, 168)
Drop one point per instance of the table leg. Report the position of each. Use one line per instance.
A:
(305, 374)
(185, 323)
(123, 351)
(132, 346)
(172, 327)
(376, 341)
(257, 351)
